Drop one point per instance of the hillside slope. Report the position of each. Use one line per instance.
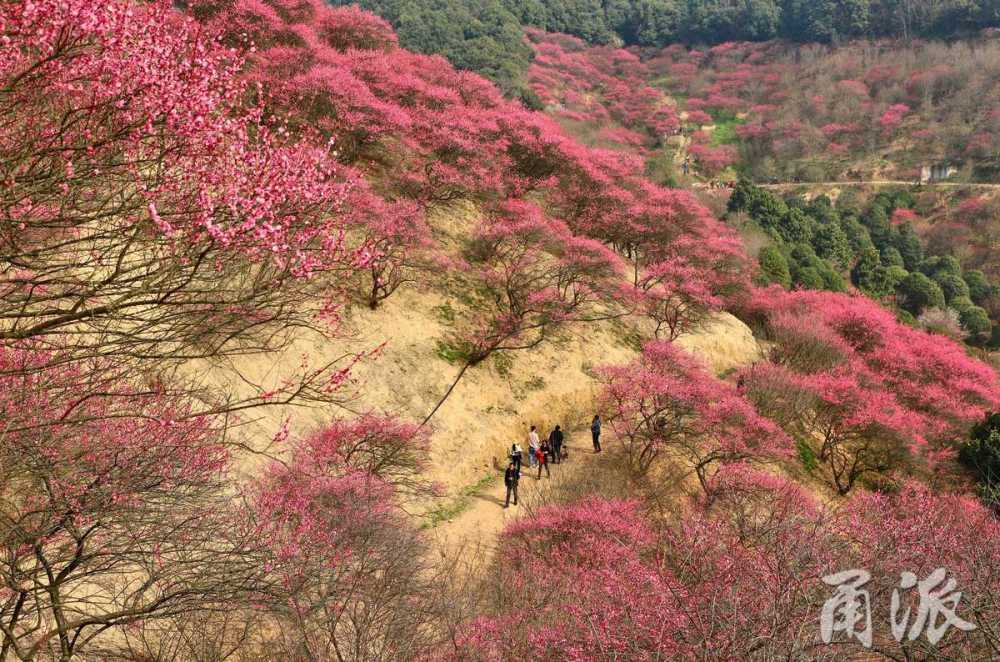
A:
(248, 248)
(495, 403)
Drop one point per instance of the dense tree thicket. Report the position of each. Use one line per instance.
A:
(485, 36)
(182, 190)
(873, 109)
(476, 35)
(816, 243)
(982, 455)
(778, 112)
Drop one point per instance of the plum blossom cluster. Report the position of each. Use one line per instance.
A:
(793, 116)
(737, 575)
(669, 404)
(873, 395)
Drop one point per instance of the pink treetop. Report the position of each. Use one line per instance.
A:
(350, 27)
(714, 160)
(394, 238)
(893, 117)
(601, 598)
(697, 274)
(903, 215)
(337, 487)
(854, 87)
(912, 386)
(918, 531)
(741, 568)
(699, 117)
(668, 400)
(750, 560)
(113, 482)
(154, 107)
(96, 440)
(537, 275)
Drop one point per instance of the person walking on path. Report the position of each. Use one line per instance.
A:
(556, 442)
(595, 432)
(510, 478)
(543, 459)
(516, 455)
(533, 445)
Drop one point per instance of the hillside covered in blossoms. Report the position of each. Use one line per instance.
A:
(280, 299)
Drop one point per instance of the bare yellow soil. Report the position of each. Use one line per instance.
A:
(493, 406)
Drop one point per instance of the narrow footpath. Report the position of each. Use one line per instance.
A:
(482, 516)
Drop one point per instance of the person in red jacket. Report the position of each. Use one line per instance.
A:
(543, 459)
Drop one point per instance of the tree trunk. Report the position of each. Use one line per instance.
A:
(447, 393)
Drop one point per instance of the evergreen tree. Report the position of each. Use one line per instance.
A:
(796, 227)
(870, 276)
(891, 257)
(877, 221)
(980, 289)
(952, 285)
(831, 243)
(908, 243)
(774, 267)
(918, 292)
(976, 322)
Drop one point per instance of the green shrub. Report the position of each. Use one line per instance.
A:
(774, 267)
(504, 363)
(981, 454)
(449, 352)
(807, 456)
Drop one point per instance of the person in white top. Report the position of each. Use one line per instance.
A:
(516, 455)
(533, 445)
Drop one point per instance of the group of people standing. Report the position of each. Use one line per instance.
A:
(540, 453)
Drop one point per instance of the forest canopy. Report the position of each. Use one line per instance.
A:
(486, 36)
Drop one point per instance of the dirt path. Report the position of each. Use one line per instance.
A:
(781, 186)
(879, 182)
(482, 516)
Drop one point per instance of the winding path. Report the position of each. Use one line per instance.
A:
(873, 182)
(883, 182)
(485, 517)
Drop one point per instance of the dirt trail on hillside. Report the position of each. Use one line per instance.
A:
(479, 524)
(881, 182)
(723, 343)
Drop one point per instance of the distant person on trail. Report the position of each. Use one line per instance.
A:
(516, 455)
(543, 459)
(510, 478)
(556, 442)
(533, 445)
(595, 432)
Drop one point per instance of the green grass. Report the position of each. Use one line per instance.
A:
(535, 384)
(725, 131)
(504, 363)
(807, 456)
(459, 504)
(449, 353)
(445, 313)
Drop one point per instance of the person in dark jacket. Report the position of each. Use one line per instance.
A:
(556, 442)
(595, 432)
(510, 478)
(516, 456)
